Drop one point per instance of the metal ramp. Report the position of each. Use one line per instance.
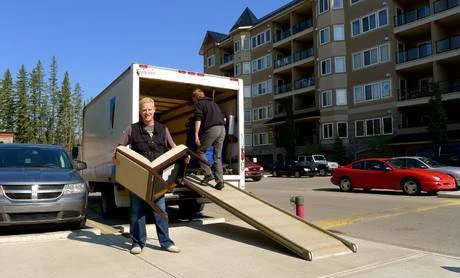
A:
(303, 238)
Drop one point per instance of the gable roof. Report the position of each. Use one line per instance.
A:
(214, 37)
(247, 18)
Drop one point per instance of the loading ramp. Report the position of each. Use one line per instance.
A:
(149, 180)
(302, 237)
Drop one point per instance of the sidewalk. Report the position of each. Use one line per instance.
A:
(208, 250)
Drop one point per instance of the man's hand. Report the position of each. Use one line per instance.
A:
(197, 141)
(115, 161)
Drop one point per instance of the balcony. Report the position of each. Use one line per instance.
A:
(446, 87)
(422, 51)
(301, 55)
(226, 59)
(444, 5)
(448, 44)
(294, 30)
(304, 83)
(283, 88)
(412, 15)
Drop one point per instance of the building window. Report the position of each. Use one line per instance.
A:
(357, 61)
(247, 91)
(262, 63)
(326, 98)
(246, 67)
(327, 131)
(247, 116)
(370, 57)
(264, 138)
(211, 61)
(341, 97)
(237, 69)
(387, 125)
(236, 46)
(337, 4)
(342, 129)
(323, 6)
(246, 44)
(355, 28)
(376, 55)
(339, 32)
(261, 38)
(383, 17)
(372, 91)
(354, 1)
(262, 88)
(373, 127)
(248, 139)
(326, 66)
(369, 22)
(262, 113)
(359, 128)
(386, 88)
(384, 53)
(339, 63)
(324, 36)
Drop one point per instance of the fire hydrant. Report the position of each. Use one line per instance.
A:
(299, 206)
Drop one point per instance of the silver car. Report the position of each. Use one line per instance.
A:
(427, 163)
(40, 184)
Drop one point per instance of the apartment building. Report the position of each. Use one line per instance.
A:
(353, 69)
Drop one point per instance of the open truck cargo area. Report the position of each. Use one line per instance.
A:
(117, 106)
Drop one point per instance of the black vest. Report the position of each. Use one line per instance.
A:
(150, 147)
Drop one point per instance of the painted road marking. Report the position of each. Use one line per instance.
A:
(336, 223)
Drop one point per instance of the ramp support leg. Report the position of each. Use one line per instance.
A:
(299, 206)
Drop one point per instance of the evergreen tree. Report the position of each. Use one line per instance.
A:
(53, 96)
(23, 128)
(339, 152)
(65, 116)
(77, 104)
(38, 111)
(7, 105)
(437, 127)
(290, 139)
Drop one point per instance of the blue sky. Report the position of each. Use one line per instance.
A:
(95, 40)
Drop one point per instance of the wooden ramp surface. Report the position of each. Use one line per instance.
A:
(303, 238)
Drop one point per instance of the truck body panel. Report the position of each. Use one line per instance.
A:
(117, 106)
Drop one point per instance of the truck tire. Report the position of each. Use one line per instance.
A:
(107, 201)
(190, 207)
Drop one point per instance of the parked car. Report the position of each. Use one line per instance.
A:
(292, 168)
(40, 184)
(407, 162)
(448, 154)
(253, 171)
(380, 173)
(319, 162)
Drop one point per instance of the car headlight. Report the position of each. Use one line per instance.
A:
(75, 188)
(306, 169)
(436, 178)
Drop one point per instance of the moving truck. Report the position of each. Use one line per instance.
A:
(110, 112)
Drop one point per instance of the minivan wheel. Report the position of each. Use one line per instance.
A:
(345, 185)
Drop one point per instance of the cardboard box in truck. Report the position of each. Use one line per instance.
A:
(117, 106)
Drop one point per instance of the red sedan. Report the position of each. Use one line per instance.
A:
(379, 173)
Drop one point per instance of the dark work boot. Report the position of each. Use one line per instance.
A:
(219, 185)
(206, 179)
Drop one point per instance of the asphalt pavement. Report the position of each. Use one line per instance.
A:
(210, 248)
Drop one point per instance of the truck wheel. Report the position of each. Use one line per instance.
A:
(107, 201)
(322, 172)
(190, 208)
(257, 179)
(297, 174)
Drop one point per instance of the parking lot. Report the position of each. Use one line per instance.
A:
(393, 232)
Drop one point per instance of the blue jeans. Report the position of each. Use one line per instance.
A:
(213, 136)
(137, 213)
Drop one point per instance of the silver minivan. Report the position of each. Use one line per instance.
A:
(41, 184)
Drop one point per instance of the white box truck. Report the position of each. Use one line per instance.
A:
(110, 112)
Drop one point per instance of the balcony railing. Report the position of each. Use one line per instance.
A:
(226, 59)
(445, 87)
(283, 88)
(304, 83)
(412, 15)
(422, 51)
(448, 44)
(299, 27)
(304, 54)
(443, 5)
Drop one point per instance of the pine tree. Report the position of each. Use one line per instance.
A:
(37, 104)
(65, 120)
(53, 96)
(339, 152)
(438, 124)
(77, 104)
(7, 102)
(23, 128)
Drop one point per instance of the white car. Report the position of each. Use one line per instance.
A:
(427, 163)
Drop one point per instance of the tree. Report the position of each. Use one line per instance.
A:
(53, 93)
(289, 131)
(437, 127)
(77, 104)
(65, 116)
(38, 103)
(339, 152)
(23, 128)
(7, 102)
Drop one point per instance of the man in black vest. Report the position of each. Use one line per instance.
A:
(150, 139)
(208, 115)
